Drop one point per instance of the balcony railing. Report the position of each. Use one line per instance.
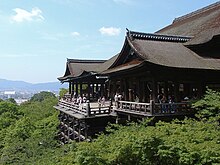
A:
(155, 108)
(147, 109)
(86, 109)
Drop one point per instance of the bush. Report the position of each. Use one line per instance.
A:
(209, 106)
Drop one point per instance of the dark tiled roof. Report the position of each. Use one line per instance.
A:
(204, 36)
(123, 67)
(107, 64)
(85, 61)
(158, 37)
(77, 67)
(203, 24)
(172, 55)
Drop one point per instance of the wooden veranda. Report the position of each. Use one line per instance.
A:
(81, 122)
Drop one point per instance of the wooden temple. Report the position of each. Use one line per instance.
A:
(155, 74)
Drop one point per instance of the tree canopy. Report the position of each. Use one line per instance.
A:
(42, 96)
(28, 135)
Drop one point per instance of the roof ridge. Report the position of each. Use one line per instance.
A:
(84, 61)
(157, 36)
(199, 11)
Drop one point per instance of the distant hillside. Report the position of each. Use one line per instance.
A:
(22, 85)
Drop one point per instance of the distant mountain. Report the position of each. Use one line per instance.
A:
(22, 85)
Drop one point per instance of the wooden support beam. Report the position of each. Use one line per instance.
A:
(88, 90)
(77, 92)
(70, 89)
(80, 89)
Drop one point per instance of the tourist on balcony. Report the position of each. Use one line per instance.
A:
(84, 99)
(79, 100)
(116, 99)
(103, 101)
(163, 104)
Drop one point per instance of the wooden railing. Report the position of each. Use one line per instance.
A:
(128, 107)
(71, 106)
(155, 108)
(173, 108)
(134, 106)
(85, 108)
(100, 110)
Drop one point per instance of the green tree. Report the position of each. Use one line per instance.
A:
(11, 100)
(63, 91)
(42, 96)
(187, 142)
(209, 105)
(9, 113)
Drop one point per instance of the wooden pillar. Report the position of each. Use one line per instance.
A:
(176, 92)
(102, 90)
(151, 107)
(108, 88)
(154, 90)
(97, 88)
(70, 89)
(166, 89)
(114, 89)
(130, 91)
(126, 90)
(138, 87)
(80, 88)
(88, 90)
(79, 131)
(201, 89)
(93, 87)
(129, 117)
(141, 92)
(76, 88)
(88, 110)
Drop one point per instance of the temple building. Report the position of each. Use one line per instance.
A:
(172, 65)
(179, 60)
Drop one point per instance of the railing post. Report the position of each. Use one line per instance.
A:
(151, 107)
(88, 110)
(110, 106)
(99, 108)
(117, 104)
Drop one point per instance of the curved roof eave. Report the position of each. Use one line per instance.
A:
(174, 55)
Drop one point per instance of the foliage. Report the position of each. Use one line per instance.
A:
(28, 136)
(63, 91)
(209, 106)
(11, 100)
(9, 113)
(42, 96)
(31, 137)
(185, 143)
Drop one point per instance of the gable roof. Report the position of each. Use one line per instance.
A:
(193, 23)
(171, 54)
(167, 47)
(163, 50)
(77, 67)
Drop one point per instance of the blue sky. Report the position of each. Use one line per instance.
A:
(37, 36)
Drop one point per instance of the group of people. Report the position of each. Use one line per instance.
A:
(79, 99)
(162, 99)
(164, 106)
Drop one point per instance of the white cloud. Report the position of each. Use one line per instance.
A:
(75, 34)
(23, 15)
(110, 31)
